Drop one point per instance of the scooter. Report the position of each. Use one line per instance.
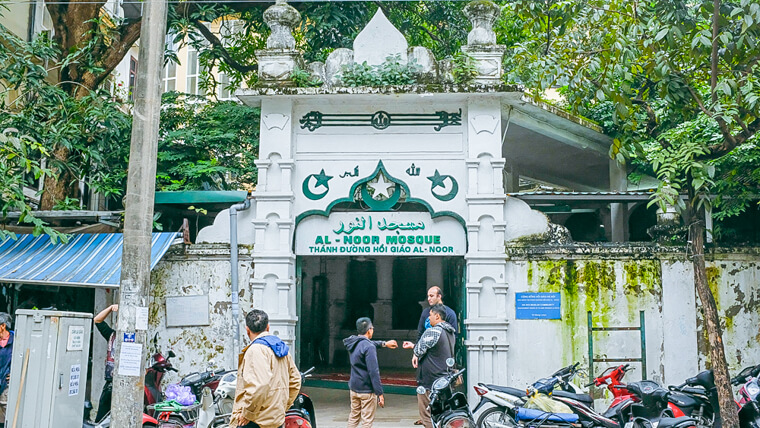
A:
(651, 410)
(619, 409)
(153, 376)
(506, 400)
(749, 413)
(301, 414)
(147, 422)
(153, 391)
(198, 380)
(698, 398)
(448, 409)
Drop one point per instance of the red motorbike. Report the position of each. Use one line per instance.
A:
(153, 376)
(623, 398)
(301, 414)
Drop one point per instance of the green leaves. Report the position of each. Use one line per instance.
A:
(391, 72)
(20, 166)
(206, 145)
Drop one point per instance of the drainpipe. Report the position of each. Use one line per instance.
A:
(234, 273)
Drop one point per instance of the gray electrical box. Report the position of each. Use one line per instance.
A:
(49, 369)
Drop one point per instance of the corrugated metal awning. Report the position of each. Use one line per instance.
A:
(88, 259)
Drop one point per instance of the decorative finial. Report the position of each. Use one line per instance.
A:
(482, 14)
(282, 18)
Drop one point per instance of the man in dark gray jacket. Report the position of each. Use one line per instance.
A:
(430, 354)
(365, 388)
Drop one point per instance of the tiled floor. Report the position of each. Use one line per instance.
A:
(332, 407)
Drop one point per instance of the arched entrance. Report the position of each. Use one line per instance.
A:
(374, 256)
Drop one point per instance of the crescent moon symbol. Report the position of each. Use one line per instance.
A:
(308, 193)
(448, 196)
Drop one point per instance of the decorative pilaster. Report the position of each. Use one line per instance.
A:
(481, 41)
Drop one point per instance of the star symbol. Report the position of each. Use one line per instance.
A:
(437, 180)
(381, 187)
(322, 179)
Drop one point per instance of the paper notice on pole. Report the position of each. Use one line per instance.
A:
(130, 358)
(141, 323)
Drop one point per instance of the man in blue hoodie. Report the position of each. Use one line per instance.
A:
(365, 388)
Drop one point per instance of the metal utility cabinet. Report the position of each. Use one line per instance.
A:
(49, 369)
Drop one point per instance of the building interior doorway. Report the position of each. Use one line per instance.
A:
(335, 291)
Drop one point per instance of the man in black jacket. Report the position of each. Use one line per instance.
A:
(365, 388)
(430, 354)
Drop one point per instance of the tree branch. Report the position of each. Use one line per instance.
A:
(129, 32)
(223, 52)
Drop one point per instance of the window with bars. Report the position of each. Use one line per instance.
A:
(132, 77)
(170, 69)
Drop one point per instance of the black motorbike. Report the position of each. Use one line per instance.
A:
(652, 410)
(698, 398)
(448, 407)
(301, 414)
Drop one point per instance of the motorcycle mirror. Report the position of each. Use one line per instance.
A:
(172, 354)
(450, 362)
(421, 389)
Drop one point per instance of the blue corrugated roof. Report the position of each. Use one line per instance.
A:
(88, 259)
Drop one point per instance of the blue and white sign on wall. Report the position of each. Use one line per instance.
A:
(538, 306)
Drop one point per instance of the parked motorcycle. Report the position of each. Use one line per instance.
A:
(698, 398)
(198, 380)
(301, 414)
(147, 422)
(507, 400)
(651, 410)
(153, 376)
(448, 409)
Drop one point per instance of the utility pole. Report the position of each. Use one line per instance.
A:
(131, 328)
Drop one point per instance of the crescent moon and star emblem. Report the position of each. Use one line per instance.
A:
(438, 180)
(320, 180)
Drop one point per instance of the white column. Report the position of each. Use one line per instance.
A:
(618, 182)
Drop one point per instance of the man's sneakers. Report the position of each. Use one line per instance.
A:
(418, 422)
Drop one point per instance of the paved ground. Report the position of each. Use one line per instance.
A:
(332, 407)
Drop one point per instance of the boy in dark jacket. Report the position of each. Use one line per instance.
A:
(365, 387)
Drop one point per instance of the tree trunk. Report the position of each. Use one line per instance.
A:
(728, 412)
(58, 185)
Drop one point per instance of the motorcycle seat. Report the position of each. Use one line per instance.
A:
(583, 398)
(681, 422)
(508, 390)
(524, 414)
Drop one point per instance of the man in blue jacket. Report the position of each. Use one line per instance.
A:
(6, 354)
(365, 388)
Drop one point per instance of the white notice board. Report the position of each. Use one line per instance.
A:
(183, 311)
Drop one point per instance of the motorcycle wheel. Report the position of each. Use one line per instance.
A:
(495, 417)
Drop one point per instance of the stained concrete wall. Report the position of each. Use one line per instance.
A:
(614, 283)
(198, 270)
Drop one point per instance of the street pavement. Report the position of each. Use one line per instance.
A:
(332, 407)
